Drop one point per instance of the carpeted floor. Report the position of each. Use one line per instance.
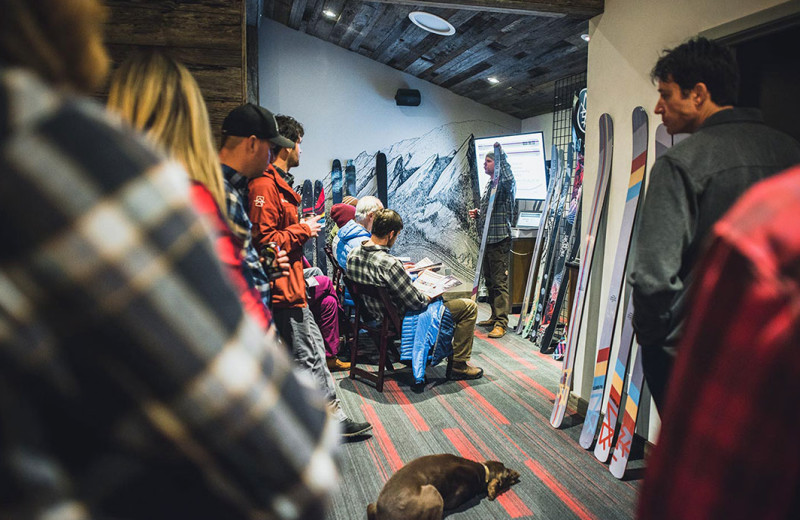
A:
(503, 416)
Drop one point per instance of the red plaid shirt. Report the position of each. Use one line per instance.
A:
(730, 441)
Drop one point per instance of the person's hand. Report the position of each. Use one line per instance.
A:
(313, 224)
(473, 213)
(282, 261)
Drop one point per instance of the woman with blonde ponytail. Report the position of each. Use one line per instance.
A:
(159, 96)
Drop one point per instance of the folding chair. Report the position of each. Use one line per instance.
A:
(388, 328)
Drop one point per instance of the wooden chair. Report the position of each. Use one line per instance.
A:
(388, 328)
(338, 271)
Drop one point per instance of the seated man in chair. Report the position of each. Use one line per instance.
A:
(371, 263)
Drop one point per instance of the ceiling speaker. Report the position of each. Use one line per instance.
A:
(407, 97)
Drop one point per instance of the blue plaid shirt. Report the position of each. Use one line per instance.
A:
(236, 195)
(130, 377)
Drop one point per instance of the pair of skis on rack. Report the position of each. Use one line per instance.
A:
(338, 182)
(607, 431)
(350, 180)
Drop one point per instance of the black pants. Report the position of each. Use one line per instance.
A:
(657, 366)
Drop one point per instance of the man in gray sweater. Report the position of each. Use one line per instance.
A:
(691, 187)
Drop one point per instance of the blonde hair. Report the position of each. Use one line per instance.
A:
(60, 40)
(159, 96)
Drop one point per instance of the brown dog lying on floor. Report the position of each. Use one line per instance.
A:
(426, 486)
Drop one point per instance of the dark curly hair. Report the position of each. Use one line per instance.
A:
(289, 128)
(701, 61)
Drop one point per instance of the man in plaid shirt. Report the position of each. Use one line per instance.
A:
(498, 245)
(132, 385)
(728, 447)
(371, 264)
(236, 197)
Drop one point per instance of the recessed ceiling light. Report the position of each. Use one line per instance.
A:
(585, 37)
(431, 23)
(329, 13)
(493, 80)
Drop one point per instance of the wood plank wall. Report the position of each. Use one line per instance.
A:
(208, 36)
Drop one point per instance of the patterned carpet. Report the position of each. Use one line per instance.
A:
(503, 416)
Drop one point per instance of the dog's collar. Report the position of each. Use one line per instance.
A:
(487, 471)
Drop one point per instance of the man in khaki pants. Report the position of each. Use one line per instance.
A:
(498, 246)
(371, 263)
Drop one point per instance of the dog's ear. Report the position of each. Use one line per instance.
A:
(511, 476)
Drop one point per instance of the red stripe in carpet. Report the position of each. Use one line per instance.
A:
(534, 351)
(510, 501)
(392, 389)
(558, 490)
(379, 433)
(536, 386)
(462, 445)
(508, 352)
(484, 405)
(514, 505)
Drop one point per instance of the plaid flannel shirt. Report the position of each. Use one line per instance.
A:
(373, 265)
(131, 382)
(236, 195)
(728, 443)
(503, 212)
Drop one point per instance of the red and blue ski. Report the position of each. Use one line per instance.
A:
(622, 448)
(319, 240)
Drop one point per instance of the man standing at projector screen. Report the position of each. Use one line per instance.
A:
(498, 246)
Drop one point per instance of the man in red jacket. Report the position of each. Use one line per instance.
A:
(273, 210)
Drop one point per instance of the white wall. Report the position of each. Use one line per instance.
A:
(626, 41)
(346, 101)
(541, 123)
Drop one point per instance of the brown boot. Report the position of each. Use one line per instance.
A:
(463, 370)
(486, 323)
(497, 332)
(336, 365)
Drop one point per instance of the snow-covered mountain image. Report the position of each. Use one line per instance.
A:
(430, 186)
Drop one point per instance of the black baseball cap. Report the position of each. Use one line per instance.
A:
(250, 119)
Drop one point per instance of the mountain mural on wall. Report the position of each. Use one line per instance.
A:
(430, 186)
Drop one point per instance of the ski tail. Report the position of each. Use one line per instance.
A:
(622, 449)
(609, 426)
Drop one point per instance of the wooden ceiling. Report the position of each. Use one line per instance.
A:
(526, 44)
